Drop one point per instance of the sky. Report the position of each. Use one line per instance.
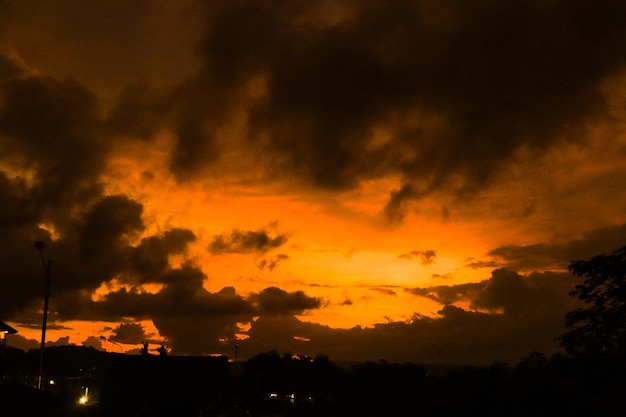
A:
(403, 180)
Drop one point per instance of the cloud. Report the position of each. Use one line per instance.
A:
(499, 321)
(385, 291)
(557, 256)
(192, 319)
(275, 301)
(426, 257)
(53, 155)
(56, 151)
(457, 336)
(499, 325)
(145, 36)
(441, 276)
(507, 292)
(437, 104)
(21, 342)
(61, 341)
(129, 333)
(238, 241)
(446, 294)
(49, 122)
(453, 116)
(93, 342)
(477, 264)
(108, 225)
(273, 262)
(149, 261)
(329, 105)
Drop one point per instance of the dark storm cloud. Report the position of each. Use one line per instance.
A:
(92, 252)
(508, 292)
(456, 336)
(55, 145)
(426, 257)
(66, 37)
(138, 112)
(447, 294)
(129, 333)
(275, 301)
(518, 314)
(95, 251)
(191, 319)
(458, 87)
(544, 255)
(183, 296)
(109, 221)
(149, 260)
(202, 329)
(277, 333)
(54, 129)
(246, 241)
(115, 259)
(534, 296)
(94, 342)
(53, 155)
(53, 132)
(20, 342)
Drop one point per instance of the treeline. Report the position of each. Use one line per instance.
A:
(537, 386)
(273, 384)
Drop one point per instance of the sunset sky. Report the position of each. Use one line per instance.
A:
(398, 180)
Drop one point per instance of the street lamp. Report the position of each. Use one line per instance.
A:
(47, 266)
(115, 343)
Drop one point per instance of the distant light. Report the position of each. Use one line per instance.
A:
(85, 397)
(52, 382)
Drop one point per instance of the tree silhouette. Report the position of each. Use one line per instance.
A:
(598, 331)
(163, 350)
(145, 351)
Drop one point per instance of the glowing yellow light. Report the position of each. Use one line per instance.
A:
(85, 397)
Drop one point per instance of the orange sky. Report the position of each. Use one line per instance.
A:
(364, 180)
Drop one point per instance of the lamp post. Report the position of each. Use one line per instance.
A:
(47, 266)
(111, 341)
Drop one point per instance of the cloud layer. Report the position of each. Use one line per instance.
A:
(312, 101)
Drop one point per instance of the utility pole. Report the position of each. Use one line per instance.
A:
(47, 266)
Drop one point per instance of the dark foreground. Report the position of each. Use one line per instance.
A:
(113, 385)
